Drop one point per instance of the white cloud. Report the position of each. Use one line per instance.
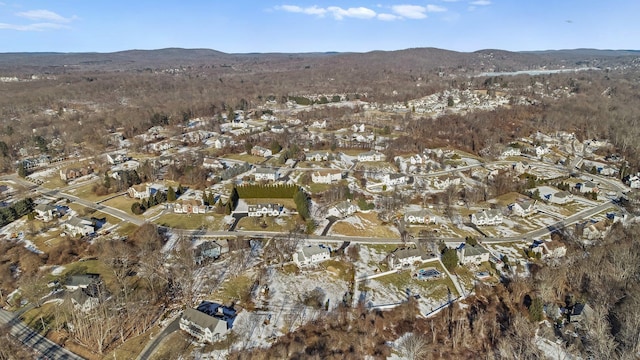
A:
(312, 10)
(388, 17)
(45, 15)
(436, 8)
(32, 27)
(410, 11)
(358, 12)
(450, 1)
(481, 2)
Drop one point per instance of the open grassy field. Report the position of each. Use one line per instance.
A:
(339, 269)
(364, 224)
(174, 346)
(86, 192)
(268, 223)
(122, 203)
(192, 221)
(251, 159)
(234, 289)
(92, 267)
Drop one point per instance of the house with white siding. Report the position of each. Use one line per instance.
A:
(312, 254)
(487, 217)
(264, 210)
(326, 176)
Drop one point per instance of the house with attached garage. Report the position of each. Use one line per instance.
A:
(404, 257)
(76, 226)
(370, 156)
(45, 212)
(266, 174)
(317, 156)
(312, 254)
(394, 179)
(524, 208)
(487, 217)
(468, 254)
(264, 210)
(261, 151)
(326, 176)
(207, 250)
(561, 197)
(421, 216)
(346, 208)
(204, 327)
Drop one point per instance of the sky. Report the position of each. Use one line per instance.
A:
(246, 26)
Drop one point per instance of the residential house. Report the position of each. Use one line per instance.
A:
(312, 254)
(468, 254)
(140, 191)
(261, 151)
(117, 158)
(542, 150)
(190, 206)
(487, 217)
(265, 210)
(82, 281)
(207, 250)
(346, 208)
(421, 216)
(319, 125)
(561, 197)
(211, 163)
(524, 208)
(74, 173)
(587, 187)
(45, 212)
(370, 156)
(204, 327)
(510, 151)
(580, 312)
(266, 174)
(634, 181)
(442, 184)
(77, 226)
(357, 128)
(554, 249)
(404, 257)
(394, 179)
(317, 156)
(326, 176)
(277, 129)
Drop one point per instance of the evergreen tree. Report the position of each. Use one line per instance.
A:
(449, 258)
(22, 171)
(171, 194)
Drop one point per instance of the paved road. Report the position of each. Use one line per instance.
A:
(32, 339)
(151, 347)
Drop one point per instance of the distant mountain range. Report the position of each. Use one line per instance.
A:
(416, 59)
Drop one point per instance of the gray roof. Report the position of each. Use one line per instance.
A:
(266, 171)
(44, 207)
(309, 251)
(405, 253)
(83, 280)
(79, 222)
(203, 320)
(476, 250)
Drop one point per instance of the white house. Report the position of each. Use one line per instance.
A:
(265, 210)
(326, 176)
(312, 254)
(370, 156)
(357, 128)
(45, 212)
(510, 151)
(441, 184)
(542, 150)
(403, 257)
(266, 174)
(277, 129)
(487, 217)
(316, 156)
(524, 208)
(319, 125)
(634, 182)
(76, 226)
(260, 151)
(204, 327)
(468, 254)
(346, 208)
(421, 216)
(394, 179)
(143, 191)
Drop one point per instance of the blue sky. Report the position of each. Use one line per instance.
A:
(241, 26)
